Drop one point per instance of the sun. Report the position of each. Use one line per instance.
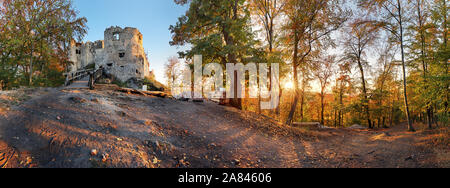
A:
(289, 85)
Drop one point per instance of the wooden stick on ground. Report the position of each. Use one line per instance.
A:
(144, 93)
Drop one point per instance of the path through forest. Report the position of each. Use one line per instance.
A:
(61, 128)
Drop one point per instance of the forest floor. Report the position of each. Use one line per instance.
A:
(53, 127)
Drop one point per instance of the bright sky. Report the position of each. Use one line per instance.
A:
(151, 17)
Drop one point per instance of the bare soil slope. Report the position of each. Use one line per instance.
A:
(82, 128)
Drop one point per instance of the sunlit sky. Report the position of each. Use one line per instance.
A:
(151, 17)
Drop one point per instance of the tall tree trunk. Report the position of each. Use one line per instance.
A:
(236, 101)
(446, 103)
(302, 103)
(295, 72)
(341, 96)
(365, 97)
(259, 96)
(229, 40)
(278, 110)
(335, 118)
(322, 110)
(391, 120)
(422, 53)
(30, 81)
(405, 87)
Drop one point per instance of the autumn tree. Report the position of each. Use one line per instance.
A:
(392, 17)
(308, 23)
(340, 90)
(35, 40)
(358, 38)
(440, 55)
(306, 78)
(419, 51)
(323, 72)
(170, 71)
(218, 30)
(384, 79)
(267, 13)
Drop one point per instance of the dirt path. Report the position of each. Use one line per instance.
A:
(61, 128)
(394, 148)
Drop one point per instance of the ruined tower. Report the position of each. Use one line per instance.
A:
(121, 54)
(83, 54)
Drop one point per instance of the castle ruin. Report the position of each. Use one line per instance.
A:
(121, 54)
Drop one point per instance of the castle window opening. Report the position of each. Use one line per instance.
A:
(122, 54)
(110, 64)
(116, 36)
(78, 51)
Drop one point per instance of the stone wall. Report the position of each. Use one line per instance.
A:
(83, 54)
(121, 54)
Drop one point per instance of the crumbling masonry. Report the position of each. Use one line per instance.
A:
(121, 54)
